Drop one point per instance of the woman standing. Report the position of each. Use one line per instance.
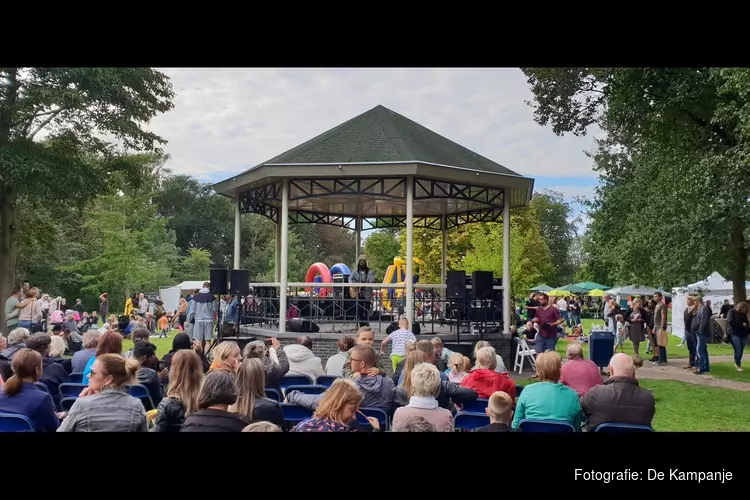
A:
(737, 330)
(637, 333)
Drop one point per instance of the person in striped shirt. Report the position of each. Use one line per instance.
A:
(399, 338)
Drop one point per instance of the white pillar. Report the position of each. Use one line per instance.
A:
(444, 254)
(283, 260)
(358, 229)
(237, 232)
(409, 278)
(277, 254)
(506, 265)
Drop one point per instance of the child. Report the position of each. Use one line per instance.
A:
(365, 335)
(620, 342)
(163, 325)
(458, 367)
(500, 410)
(400, 337)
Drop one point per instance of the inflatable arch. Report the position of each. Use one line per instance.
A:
(325, 274)
(341, 269)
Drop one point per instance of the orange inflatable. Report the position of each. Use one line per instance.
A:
(319, 269)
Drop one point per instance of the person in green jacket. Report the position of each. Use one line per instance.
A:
(548, 399)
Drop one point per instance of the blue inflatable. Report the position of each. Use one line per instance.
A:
(341, 269)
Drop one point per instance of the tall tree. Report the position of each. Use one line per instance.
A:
(557, 230)
(675, 153)
(381, 248)
(72, 109)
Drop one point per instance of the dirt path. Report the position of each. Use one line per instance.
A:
(675, 371)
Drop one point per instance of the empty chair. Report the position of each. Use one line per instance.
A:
(76, 377)
(477, 406)
(71, 390)
(306, 389)
(614, 427)
(372, 412)
(141, 392)
(67, 403)
(558, 426)
(10, 422)
(523, 351)
(293, 414)
(288, 380)
(467, 421)
(42, 386)
(273, 394)
(326, 380)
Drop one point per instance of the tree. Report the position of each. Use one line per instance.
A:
(197, 265)
(381, 248)
(558, 232)
(71, 109)
(672, 204)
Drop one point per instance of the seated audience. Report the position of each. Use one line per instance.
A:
(16, 341)
(500, 411)
(275, 369)
(548, 399)
(335, 364)
(458, 367)
(425, 385)
(142, 335)
(337, 410)
(109, 343)
(185, 377)
(399, 338)
(81, 358)
(442, 354)
(262, 427)
(500, 368)
(145, 376)
(577, 373)
(252, 402)
(449, 394)
(428, 348)
(105, 406)
(53, 373)
(73, 340)
(410, 347)
(217, 394)
(484, 379)
(227, 357)
(56, 352)
(365, 335)
(415, 424)
(620, 399)
(302, 361)
(20, 396)
(182, 341)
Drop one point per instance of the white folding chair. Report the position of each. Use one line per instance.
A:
(523, 351)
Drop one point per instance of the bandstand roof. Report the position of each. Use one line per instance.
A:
(360, 169)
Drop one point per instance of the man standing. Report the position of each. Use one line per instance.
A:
(725, 308)
(689, 337)
(363, 295)
(11, 311)
(548, 317)
(660, 328)
(702, 335)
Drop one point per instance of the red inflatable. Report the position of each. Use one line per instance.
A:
(319, 269)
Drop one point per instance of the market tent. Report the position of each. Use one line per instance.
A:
(574, 289)
(558, 293)
(596, 293)
(541, 288)
(191, 285)
(590, 285)
(626, 291)
(714, 288)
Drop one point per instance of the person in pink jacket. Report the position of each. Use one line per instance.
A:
(577, 373)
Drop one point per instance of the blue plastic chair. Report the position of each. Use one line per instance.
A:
(71, 390)
(326, 380)
(372, 412)
(294, 414)
(468, 421)
(306, 389)
(139, 391)
(42, 386)
(76, 377)
(614, 427)
(67, 403)
(555, 426)
(273, 394)
(288, 380)
(476, 406)
(11, 422)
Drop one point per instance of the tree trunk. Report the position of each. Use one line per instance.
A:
(738, 271)
(7, 246)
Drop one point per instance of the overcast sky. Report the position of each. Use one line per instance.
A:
(228, 120)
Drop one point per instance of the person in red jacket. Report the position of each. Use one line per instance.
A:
(485, 380)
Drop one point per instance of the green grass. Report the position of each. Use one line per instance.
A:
(163, 345)
(729, 372)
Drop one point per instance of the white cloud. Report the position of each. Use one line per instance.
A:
(228, 120)
(571, 193)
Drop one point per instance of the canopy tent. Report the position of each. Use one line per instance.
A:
(558, 293)
(596, 293)
(541, 288)
(714, 288)
(574, 289)
(590, 285)
(626, 291)
(191, 285)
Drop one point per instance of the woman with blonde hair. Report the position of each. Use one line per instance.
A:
(185, 377)
(252, 402)
(105, 405)
(424, 386)
(337, 410)
(413, 359)
(56, 352)
(226, 356)
(262, 427)
(457, 367)
(500, 368)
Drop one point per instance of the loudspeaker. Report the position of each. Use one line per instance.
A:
(298, 325)
(239, 282)
(456, 285)
(481, 285)
(219, 282)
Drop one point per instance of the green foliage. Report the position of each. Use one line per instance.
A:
(196, 265)
(381, 248)
(558, 233)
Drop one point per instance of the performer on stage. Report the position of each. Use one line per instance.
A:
(363, 295)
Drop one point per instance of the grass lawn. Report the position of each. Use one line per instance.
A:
(163, 345)
(729, 372)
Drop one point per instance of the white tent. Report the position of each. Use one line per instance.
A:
(714, 288)
(191, 285)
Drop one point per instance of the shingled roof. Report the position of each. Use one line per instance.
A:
(382, 135)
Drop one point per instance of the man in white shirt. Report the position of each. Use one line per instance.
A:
(562, 304)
